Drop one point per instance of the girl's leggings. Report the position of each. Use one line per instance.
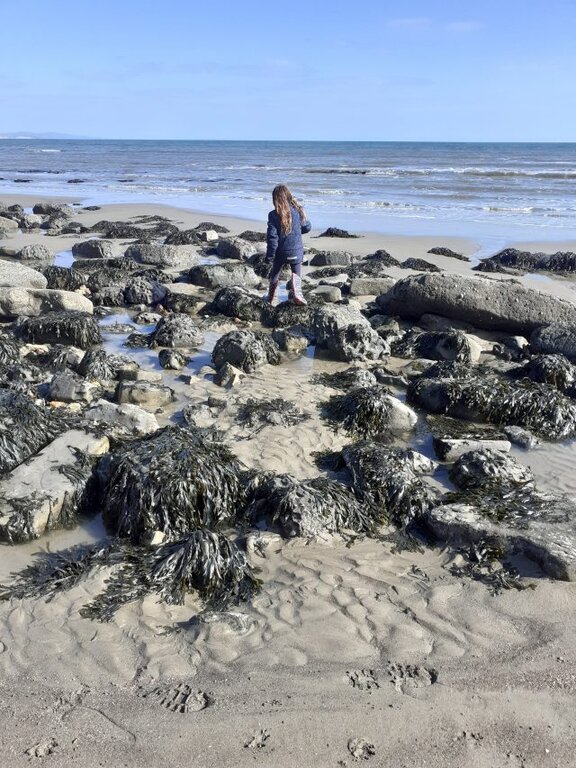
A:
(278, 263)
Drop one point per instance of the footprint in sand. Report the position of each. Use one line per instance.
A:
(181, 698)
(360, 749)
(363, 679)
(407, 676)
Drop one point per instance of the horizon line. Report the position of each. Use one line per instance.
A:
(294, 141)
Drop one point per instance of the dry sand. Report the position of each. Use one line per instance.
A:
(342, 643)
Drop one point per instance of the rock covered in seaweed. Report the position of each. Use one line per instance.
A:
(64, 278)
(176, 330)
(310, 508)
(438, 345)
(173, 481)
(491, 398)
(246, 350)
(237, 302)
(76, 328)
(391, 480)
(486, 468)
(555, 370)
(370, 411)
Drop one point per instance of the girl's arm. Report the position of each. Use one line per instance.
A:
(271, 238)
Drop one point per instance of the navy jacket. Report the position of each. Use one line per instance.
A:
(289, 246)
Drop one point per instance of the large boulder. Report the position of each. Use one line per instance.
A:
(19, 276)
(498, 305)
(36, 252)
(31, 302)
(246, 350)
(53, 209)
(236, 248)
(141, 290)
(76, 328)
(95, 249)
(555, 338)
(223, 276)
(240, 303)
(162, 255)
(344, 331)
(34, 498)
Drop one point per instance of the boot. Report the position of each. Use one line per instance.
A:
(272, 296)
(298, 298)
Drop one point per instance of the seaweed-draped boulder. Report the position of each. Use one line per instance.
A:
(64, 278)
(438, 345)
(247, 350)
(486, 468)
(555, 370)
(234, 301)
(555, 339)
(171, 482)
(76, 328)
(176, 330)
(310, 508)
(391, 479)
(490, 398)
(370, 411)
(498, 305)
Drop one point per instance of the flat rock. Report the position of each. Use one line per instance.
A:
(450, 449)
(121, 418)
(31, 302)
(20, 276)
(41, 488)
(498, 305)
(146, 394)
(224, 275)
(163, 255)
(371, 286)
(329, 294)
(550, 541)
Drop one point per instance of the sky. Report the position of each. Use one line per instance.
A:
(410, 70)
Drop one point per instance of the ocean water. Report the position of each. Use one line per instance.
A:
(502, 191)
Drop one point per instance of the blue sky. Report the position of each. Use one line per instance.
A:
(493, 70)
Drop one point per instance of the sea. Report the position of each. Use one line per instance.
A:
(505, 192)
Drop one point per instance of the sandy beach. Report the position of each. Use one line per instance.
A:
(349, 652)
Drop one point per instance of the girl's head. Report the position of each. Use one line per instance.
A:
(283, 199)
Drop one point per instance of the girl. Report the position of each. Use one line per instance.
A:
(286, 225)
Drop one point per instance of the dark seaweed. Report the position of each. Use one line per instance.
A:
(279, 412)
(76, 328)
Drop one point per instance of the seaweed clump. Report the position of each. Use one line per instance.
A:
(555, 370)
(391, 480)
(75, 328)
(343, 380)
(25, 428)
(368, 411)
(537, 407)
(485, 563)
(434, 345)
(9, 349)
(172, 481)
(311, 507)
(202, 561)
(258, 414)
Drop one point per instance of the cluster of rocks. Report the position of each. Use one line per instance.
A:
(65, 399)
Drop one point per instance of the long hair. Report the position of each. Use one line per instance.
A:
(283, 199)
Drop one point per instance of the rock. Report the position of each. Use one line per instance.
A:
(34, 253)
(133, 373)
(8, 225)
(555, 338)
(238, 302)
(95, 249)
(327, 294)
(391, 479)
(488, 468)
(235, 248)
(292, 340)
(520, 437)
(490, 398)
(68, 387)
(344, 331)
(98, 365)
(121, 418)
(431, 322)
(490, 304)
(421, 265)
(223, 275)
(19, 276)
(140, 290)
(187, 237)
(438, 345)
(336, 232)
(247, 350)
(176, 331)
(208, 235)
(146, 394)
(162, 255)
(148, 318)
(53, 209)
(371, 286)
(514, 261)
(64, 278)
(172, 359)
(228, 376)
(69, 327)
(370, 411)
(46, 491)
(332, 259)
(556, 370)
(448, 252)
(450, 449)
(533, 524)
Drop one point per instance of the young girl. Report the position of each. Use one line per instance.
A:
(286, 225)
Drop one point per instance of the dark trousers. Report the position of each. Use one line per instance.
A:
(278, 263)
